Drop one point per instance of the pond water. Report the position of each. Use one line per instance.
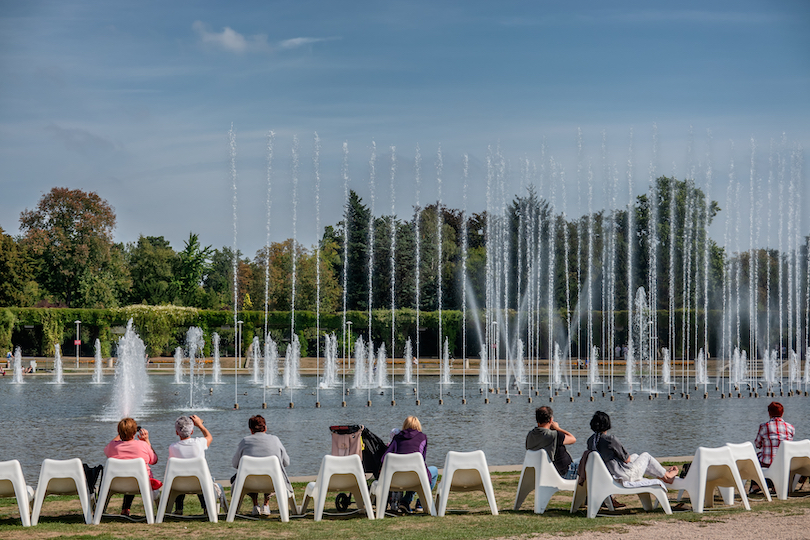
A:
(39, 419)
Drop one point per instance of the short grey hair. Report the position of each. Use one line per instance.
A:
(184, 426)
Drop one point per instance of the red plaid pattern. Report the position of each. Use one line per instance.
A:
(770, 435)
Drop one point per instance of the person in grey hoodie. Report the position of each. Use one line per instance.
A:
(261, 444)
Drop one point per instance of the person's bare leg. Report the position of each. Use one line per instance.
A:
(672, 472)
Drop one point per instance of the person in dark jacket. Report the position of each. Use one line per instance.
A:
(549, 436)
(410, 440)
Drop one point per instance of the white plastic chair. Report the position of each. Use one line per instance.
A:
(749, 469)
(403, 472)
(540, 475)
(127, 476)
(792, 458)
(12, 484)
(711, 468)
(188, 475)
(338, 473)
(261, 475)
(62, 477)
(465, 471)
(599, 485)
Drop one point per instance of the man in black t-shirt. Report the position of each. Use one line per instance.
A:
(549, 436)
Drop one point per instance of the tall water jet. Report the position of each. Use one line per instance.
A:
(58, 376)
(178, 365)
(255, 355)
(195, 344)
(793, 367)
(483, 368)
(557, 371)
(97, 366)
(292, 360)
(18, 369)
(519, 368)
(330, 371)
(666, 366)
(131, 386)
(769, 368)
(593, 367)
(270, 362)
(701, 376)
(360, 365)
(444, 377)
(235, 266)
(380, 369)
(417, 169)
(392, 263)
(216, 369)
(372, 166)
(407, 359)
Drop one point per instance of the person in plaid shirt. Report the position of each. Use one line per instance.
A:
(772, 433)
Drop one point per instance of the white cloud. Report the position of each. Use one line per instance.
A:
(294, 43)
(230, 40)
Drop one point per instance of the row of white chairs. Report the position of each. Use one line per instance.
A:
(726, 468)
(463, 471)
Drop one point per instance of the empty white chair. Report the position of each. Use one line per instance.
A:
(403, 472)
(261, 475)
(792, 458)
(188, 475)
(465, 471)
(748, 467)
(12, 484)
(127, 476)
(540, 475)
(711, 468)
(338, 473)
(62, 477)
(599, 485)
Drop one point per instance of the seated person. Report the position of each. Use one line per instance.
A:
(187, 447)
(261, 444)
(772, 433)
(623, 466)
(549, 436)
(409, 440)
(126, 446)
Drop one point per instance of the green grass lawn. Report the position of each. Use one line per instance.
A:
(469, 518)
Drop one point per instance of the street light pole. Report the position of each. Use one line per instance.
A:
(77, 341)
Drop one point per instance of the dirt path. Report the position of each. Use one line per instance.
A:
(760, 526)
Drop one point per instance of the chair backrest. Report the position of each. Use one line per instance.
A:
(341, 471)
(124, 474)
(403, 469)
(66, 476)
(746, 457)
(464, 467)
(796, 453)
(259, 473)
(714, 464)
(188, 474)
(595, 469)
(10, 473)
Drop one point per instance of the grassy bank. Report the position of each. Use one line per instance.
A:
(470, 519)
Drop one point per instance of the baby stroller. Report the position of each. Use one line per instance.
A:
(356, 439)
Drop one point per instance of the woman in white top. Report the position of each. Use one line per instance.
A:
(187, 447)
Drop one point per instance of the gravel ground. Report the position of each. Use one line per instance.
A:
(760, 525)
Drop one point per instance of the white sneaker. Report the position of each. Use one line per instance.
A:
(257, 511)
(266, 510)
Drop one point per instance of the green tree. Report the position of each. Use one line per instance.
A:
(70, 235)
(17, 286)
(191, 266)
(151, 265)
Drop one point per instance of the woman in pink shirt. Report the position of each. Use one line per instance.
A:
(126, 446)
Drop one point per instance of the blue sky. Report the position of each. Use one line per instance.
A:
(135, 100)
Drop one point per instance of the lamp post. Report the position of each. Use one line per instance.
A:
(77, 341)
